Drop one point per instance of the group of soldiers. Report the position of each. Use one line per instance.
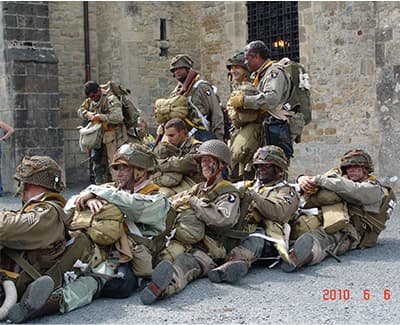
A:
(172, 214)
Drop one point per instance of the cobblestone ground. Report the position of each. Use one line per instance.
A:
(363, 288)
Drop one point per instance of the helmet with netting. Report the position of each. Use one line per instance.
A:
(217, 149)
(270, 155)
(236, 59)
(135, 155)
(179, 61)
(356, 157)
(40, 170)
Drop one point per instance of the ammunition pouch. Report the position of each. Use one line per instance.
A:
(335, 217)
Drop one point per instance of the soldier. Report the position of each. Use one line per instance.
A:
(34, 238)
(273, 205)
(177, 170)
(354, 207)
(202, 100)
(247, 124)
(146, 214)
(100, 107)
(274, 87)
(204, 214)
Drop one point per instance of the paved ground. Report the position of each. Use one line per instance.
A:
(363, 289)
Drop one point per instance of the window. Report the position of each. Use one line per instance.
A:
(275, 23)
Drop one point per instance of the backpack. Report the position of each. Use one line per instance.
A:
(300, 99)
(129, 110)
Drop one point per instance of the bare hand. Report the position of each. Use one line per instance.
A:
(307, 184)
(95, 205)
(181, 201)
(95, 118)
(81, 200)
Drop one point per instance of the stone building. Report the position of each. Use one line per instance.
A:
(49, 49)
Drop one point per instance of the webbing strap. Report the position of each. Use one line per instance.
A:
(26, 266)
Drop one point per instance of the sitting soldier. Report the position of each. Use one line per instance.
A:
(146, 217)
(33, 239)
(177, 170)
(273, 205)
(354, 208)
(204, 213)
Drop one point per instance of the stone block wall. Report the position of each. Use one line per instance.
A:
(31, 85)
(343, 45)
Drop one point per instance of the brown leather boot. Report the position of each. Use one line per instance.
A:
(230, 271)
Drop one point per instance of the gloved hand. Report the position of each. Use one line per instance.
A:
(181, 202)
(237, 99)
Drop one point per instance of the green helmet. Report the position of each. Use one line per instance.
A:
(271, 155)
(357, 157)
(216, 148)
(40, 170)
(236, 59)
(135, 155)
(179, 61)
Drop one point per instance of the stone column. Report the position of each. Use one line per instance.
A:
(30, 96)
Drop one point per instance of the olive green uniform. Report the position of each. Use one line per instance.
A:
(272, 208)
(109, 109)
(196, 248)
(362, 202)
(145, 213)
(204, 98)
(177, 170)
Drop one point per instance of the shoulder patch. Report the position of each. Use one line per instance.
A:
(274, 74)
(208, 93)
(231, 198)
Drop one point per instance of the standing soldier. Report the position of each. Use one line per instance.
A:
(273, 205)
(177, 170)
(204, 115)
(204, 214)
(354, 208)
(274, 87)
(100, 107)
(34, 238)
(247, 124)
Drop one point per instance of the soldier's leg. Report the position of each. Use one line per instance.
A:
(100, 171)
(239, 260)
(33, 299)
(170, 278)
(313, 247)
(111, 148)
(121, 287)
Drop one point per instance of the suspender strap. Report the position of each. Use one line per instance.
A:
(26, 266)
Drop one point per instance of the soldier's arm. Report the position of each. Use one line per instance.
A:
(185, 165)
(274, 94)
(368, 194)
(138, 208)
(83, 109)
(115, 115)
(206, 100)
(279, 206)
(224, 212)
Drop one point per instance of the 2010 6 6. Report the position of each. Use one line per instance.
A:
(336, 294)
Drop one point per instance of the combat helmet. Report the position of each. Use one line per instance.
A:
(356, 157)
(179, 61)
(270, 155)
(135, 155)
(217, 149)
(40, 170)
(236, 59)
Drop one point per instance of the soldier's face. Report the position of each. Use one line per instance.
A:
(209, 166)
(175, 137)
(252, 61)
(124, 175)
(95, 95)
(239, 74)
(180, 74)
(356, 173)
(266, 173)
